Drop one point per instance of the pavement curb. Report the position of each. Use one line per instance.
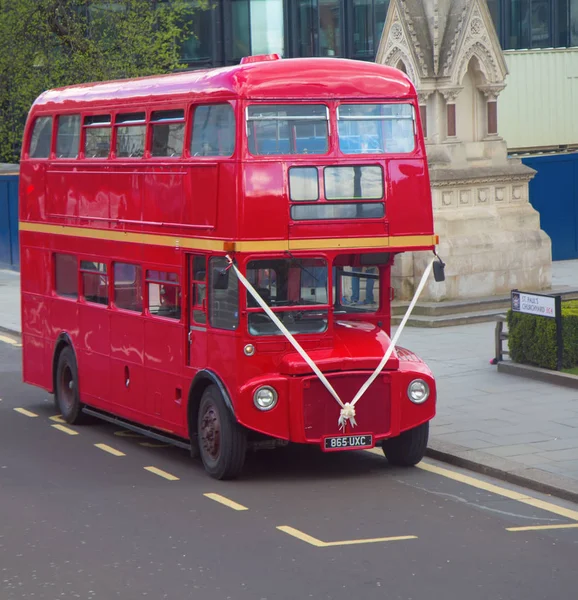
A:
(555, 377)
(504, 469)
(18, 334)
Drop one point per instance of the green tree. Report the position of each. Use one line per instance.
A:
(53, 43)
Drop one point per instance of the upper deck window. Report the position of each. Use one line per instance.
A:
(168, 133)
(130, 135)
(376, 128)
(213, 130)
(41, 138)
(278, 129)
(68, 136)
(97, 134)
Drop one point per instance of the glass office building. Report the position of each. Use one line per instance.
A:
(528, 24)
(232, 29)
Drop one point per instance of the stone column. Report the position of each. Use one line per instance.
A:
(491, 93)
(450, 99)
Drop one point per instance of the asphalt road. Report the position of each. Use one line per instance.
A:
(79, 522)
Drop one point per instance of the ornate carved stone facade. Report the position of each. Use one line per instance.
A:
(490, 235)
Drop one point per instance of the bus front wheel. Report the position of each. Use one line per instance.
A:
(408, 448)
(222, 441)
(66, 391)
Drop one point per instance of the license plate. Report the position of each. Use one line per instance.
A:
(347, 442)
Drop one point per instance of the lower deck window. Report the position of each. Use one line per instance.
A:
(289, 287)
(164, 294)
(66, 275)
(94, 282)
(356, 289)
(224, 298)
(128, 287)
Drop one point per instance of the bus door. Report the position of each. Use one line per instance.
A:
(197, 311)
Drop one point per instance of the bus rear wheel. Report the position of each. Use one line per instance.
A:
(407, 449)
(66, 391)
(222, 441)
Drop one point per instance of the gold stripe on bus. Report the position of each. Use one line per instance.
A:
(399, 241)
(126, 236)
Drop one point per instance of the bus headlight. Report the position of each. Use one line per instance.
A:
(265, 398)
(418, 391)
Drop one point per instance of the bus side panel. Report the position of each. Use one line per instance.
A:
(265, 207)
(164, 196)
(201, 186)
(34, 277)
(124, 188)
(223, 359)
(127, 378)
(163, 374)
(93, 355)
(407, 210)
(32, 191)
(62, 195)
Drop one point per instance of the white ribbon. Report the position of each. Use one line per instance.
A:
(347, 413)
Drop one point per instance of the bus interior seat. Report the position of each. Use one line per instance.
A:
(265, 293)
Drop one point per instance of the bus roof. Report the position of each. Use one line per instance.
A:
(268, 78)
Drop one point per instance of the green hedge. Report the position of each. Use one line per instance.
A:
(532, 339)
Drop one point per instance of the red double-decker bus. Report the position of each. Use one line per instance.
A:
(206, 256)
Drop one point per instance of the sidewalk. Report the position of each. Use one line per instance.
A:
(522, 430)
(10, 301)
(505, 425)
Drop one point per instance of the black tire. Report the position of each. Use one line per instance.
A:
(409, 448)
(222, 441)
(66, 395)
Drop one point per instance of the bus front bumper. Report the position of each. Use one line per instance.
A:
(305, 412)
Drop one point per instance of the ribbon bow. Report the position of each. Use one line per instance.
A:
(347, 414)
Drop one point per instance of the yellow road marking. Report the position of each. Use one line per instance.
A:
(161, 473)
(226, 501)
(500, 491)
(320, 544)
(128, 434)
(10, 341)
(25, 412)
(110, 450)
(543, 527)
(58, 419)
(153, 445)
(65, 429)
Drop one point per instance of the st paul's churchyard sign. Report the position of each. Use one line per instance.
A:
(542, 305)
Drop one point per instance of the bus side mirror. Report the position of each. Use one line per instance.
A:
(439, 270)
(220, 279)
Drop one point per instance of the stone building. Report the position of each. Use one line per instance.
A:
(490, 234)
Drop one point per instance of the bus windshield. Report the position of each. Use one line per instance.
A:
(289, 286)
